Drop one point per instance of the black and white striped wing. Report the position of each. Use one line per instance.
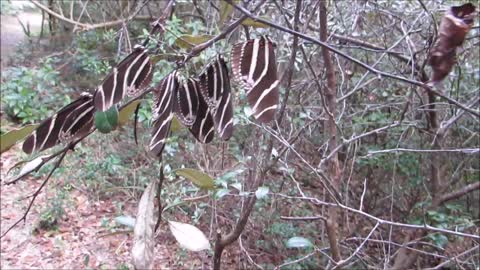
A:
(186, 103)
(216, 90)
(203, 128)
(130, 76)
(72, 121)
(254, 68)
(164, 94)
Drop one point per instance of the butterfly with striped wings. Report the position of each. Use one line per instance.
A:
(254, 68)
(203, 127)
(185, 101)
(129, 77)
(164, 95)
(72, 121)
(216, 91)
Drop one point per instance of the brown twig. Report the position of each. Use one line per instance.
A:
(287, 76)
(37, 192)
(333, 166)
(84, 26)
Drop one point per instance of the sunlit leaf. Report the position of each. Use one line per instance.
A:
(189, 236)
(298, 242)
(175, 125)
(29, 167)
(143, 233)
(188, 41)
(10, 138)
(253, 23)
(125, 113)
(261, 192)
(126, 220)
(106, 121)
(197, 177)
(221, 192)
(248, 111)
(237, 186)
(225, 11)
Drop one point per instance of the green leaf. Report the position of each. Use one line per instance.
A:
(225, 10)
(126, 220)
(221, 192)
(175, 126)
(188, 41)
(107, 121)
(253, 23)
(125, 113)
(261, 192)
(197, 177)
(9, 139)
(298, 242)
(237, 186)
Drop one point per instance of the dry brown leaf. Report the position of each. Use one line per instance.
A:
(454, 27)
(144, 242)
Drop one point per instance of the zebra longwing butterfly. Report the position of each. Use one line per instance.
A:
(203, 127)
(215, 89)
(131, 75)
(187, 102)
(72, 121)
(164, 95)
(254, 68)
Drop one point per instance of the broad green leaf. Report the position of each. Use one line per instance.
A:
(253, 23)
(261, 192)
(298, 242)
(221, 192)
(107, 121)
(126, 220)
(247, 111)
(188, 41)
(237, 186)
(10, 138)
(274, 152)
(225, 11)
(244, 194)
(189, 236)
(125, 113)
(175, 126)
(197, 177)
(143, 233)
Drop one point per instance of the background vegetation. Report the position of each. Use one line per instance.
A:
(395, 156)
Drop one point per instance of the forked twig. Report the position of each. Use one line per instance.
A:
(36, 193)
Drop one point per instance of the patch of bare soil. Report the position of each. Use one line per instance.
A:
(12, 33)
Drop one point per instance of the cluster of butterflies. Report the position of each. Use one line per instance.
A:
(202, 104)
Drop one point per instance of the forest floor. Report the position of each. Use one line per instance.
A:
(86, 236)
(12, 33)
(83, 238)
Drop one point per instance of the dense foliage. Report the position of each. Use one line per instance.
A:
(395, 155)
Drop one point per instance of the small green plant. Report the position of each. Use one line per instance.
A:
(7, 8)
(26, 90)
(51, 215)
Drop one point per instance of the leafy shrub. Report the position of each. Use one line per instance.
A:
(28, 94)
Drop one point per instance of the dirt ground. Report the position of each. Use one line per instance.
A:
(81, 239)
(12, 32)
